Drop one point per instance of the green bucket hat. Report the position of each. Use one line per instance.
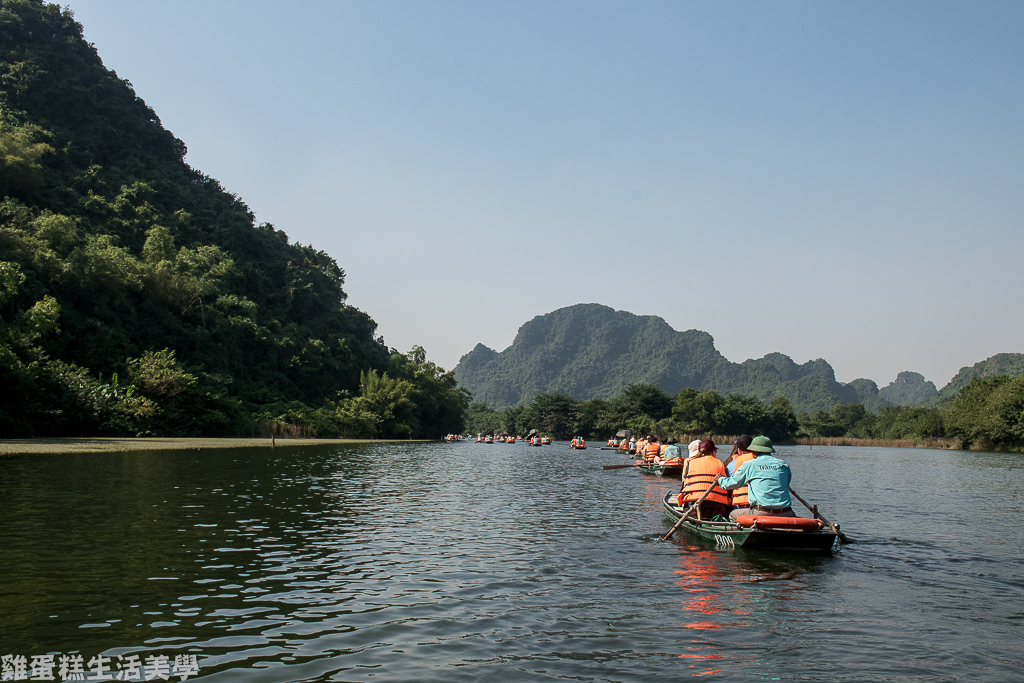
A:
(761, 444)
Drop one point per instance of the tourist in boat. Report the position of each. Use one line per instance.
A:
(652, 451)
(693, 450)
(671, 450)
(640, 451)
(739, 455)
(698, 474)
(766, 478)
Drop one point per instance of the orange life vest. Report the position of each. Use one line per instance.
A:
(699, 474)
(652, 451)
(739, 496)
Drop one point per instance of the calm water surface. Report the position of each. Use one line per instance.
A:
(466, 562)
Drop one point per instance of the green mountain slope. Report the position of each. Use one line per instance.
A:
(592, 351)
(908, 389)
(1000, 364)
(105, 229)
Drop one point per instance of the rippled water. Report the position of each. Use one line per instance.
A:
(466, 562)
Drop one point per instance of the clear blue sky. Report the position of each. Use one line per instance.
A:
(837, 180)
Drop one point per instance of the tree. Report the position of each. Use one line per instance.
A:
(698, 412)
(989, 413)
(20, 155)
(440, 404)
(554, 413)
(389, 401)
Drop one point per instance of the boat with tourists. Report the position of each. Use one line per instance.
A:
(756, 532)
(669, 468)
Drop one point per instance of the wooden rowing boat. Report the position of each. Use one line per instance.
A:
(756, 532)
(661, 469)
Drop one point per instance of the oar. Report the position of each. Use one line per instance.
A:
(814, 510)
(692, 508)
(618, 467)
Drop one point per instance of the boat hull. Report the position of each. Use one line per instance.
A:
(662, 470)
(730, 535)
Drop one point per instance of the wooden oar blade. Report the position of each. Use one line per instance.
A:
(843, 538)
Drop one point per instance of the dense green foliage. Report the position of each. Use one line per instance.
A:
(643, 409)
(592, 351)
(138, 296)
(989, 413)
(890, 424)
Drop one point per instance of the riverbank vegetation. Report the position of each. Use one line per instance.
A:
(987, 414)
(643, 409)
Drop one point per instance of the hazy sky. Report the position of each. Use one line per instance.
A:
(837, 180)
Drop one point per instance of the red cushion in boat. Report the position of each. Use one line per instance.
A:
(767, 522)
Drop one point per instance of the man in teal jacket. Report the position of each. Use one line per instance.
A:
(767, 479)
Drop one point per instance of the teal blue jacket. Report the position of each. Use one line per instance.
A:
(767, 478)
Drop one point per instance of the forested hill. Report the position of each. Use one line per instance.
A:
(592, 351)
(1011, 364)
(129, 280)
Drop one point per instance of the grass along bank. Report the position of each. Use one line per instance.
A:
(943, 443)
(114, 444)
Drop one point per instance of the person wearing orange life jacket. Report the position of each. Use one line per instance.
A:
(699, 474)
(641, 448)
(670, 453)
(739, 455)
(652, 451)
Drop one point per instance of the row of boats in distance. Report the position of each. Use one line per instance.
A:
(532, 440)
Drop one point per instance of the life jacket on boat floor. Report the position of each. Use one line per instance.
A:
(780, 523)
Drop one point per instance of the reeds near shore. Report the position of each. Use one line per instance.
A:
(881, 443)
(943, 443)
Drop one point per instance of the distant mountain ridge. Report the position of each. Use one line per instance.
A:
(999, 364)
(593, 351)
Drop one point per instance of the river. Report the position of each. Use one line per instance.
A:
(472, 562)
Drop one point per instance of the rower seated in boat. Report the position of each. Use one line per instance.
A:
(652, 451)
(699, 473)
(670, 453)
(767, 480)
